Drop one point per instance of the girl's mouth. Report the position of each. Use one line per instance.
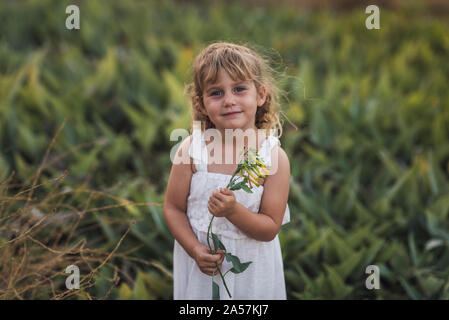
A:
(232, 113)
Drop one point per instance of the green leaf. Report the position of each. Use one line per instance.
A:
(339, 288)
(412, 293)
(243, 267)
(237, 186)
(431, 285)
(124, 292)
(413, 251)
(432, 175)
(246, 188)
(237, 266)
(217, 243)
(140, 290)
(346, 268)
(392, 191)
(215, 291)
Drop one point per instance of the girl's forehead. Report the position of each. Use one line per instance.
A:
(213, 74)
(223, 82)
(223, 76)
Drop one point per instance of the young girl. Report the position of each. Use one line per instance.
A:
(232, 89)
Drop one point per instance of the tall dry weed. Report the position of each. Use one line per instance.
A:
(43, 230)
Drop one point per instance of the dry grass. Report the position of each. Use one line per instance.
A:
(43, 230)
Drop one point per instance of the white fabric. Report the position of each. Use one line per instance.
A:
(264, 278)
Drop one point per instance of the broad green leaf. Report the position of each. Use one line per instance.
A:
(430, 284)
(337, 245)
(237, 186)
(242, 267)
(217, 243)
(140, 291)
(411, 291)
(237, 266)
(124, 292)
(246, 188)
(391, 193)
(394, 169)
(339, 289)
(348, 265)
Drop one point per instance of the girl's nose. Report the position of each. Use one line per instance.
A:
(229, 99)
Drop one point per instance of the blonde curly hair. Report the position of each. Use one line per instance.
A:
(240, 63)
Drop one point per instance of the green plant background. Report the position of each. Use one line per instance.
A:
(366, 128)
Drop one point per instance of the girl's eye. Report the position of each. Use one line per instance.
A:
(240, 89)
(215, 93)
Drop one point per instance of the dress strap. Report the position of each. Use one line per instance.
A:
(265, 148)
(265, 152)
(198, 151)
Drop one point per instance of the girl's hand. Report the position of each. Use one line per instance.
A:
(206, 261)
(222, 203)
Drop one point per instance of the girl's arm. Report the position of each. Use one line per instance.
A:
(265, 225)
(175, 203)
(175, 207)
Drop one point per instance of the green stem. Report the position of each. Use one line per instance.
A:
(208, 236)
(224, 282)
(208, 233)
(216, 264)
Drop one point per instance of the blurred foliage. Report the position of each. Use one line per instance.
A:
(366, 132)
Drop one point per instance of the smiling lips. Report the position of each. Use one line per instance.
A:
(231, 113)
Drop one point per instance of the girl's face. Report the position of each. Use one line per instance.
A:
(232, 104)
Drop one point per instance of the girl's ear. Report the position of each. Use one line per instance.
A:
(261, 96)
(201, 106)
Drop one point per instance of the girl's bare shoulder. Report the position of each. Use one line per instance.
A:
(280, 164)
(178, 186)
(182, 156)
(276, 186)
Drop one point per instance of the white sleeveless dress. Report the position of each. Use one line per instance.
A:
(264, 278)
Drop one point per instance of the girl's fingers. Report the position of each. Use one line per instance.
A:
(214, 201)
(207, 271)
(219, 196)
(211, 271)
(208, 265)
(211, 258)
(211, 261)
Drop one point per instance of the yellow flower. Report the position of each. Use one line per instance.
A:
(264, 169)
(251, 174)
(252, 178)
(257, 172)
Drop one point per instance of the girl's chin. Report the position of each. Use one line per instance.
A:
(233, 125)
(232, 122)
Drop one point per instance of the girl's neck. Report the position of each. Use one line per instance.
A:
(236, 134)
(239, 138)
